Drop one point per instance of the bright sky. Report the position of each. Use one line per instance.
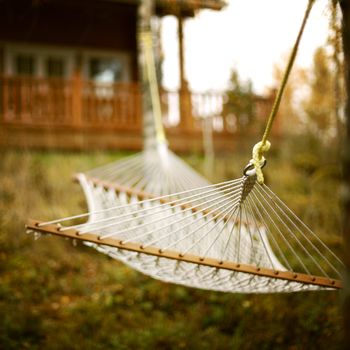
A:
(250, 35)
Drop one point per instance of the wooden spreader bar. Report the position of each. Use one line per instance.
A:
(170, 254)
(107, 185)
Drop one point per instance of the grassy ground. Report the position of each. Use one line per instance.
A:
(56, 296)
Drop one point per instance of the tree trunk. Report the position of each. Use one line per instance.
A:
(345, 7)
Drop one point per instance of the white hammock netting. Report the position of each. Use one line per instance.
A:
(237, 236)
(156, 170)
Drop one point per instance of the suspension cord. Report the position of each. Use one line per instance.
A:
(147, 44)
(264, 145)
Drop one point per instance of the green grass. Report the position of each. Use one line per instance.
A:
(57, 296)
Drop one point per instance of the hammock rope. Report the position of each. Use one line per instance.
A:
(146, 40)
(264, 145)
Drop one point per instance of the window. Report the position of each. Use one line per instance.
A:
(36, 61)
(25, 64)
(105, 70)
(55, 67)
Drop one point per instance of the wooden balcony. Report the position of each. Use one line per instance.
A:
(41, 112)
(76, 114)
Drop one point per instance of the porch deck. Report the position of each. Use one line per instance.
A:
(77, 114)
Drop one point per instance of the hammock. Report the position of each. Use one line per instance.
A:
(236, 236)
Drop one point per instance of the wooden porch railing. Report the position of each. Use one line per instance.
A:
(111, 105)
(203, 105)
(36, 101)
(79, 104)
(69, 103)
(73, 113)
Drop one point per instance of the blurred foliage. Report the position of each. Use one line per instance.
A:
(240, 104)
(319, 107)
(314, 98)
(57, 296)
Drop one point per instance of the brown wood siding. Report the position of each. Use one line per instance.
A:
(98, 25)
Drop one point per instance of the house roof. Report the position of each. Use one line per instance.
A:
(190, 6)
(180, 7)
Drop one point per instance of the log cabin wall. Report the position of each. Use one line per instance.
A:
(98, 25)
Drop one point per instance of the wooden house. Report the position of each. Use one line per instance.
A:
(69, 76)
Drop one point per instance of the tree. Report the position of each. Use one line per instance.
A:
(345, 7)
(290, 110)
(319, 106)
(240, 101)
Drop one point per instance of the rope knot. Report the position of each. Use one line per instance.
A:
(258, 159)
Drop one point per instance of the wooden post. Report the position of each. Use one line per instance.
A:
(3, 85)
(181, 52)
(2, 60)
(186, 120)
(77, 101)
(208, 146)
(345, 7)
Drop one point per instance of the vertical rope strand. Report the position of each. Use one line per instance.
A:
(264, 145)
(289, 67)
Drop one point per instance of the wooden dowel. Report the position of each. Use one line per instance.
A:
(189, 258)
